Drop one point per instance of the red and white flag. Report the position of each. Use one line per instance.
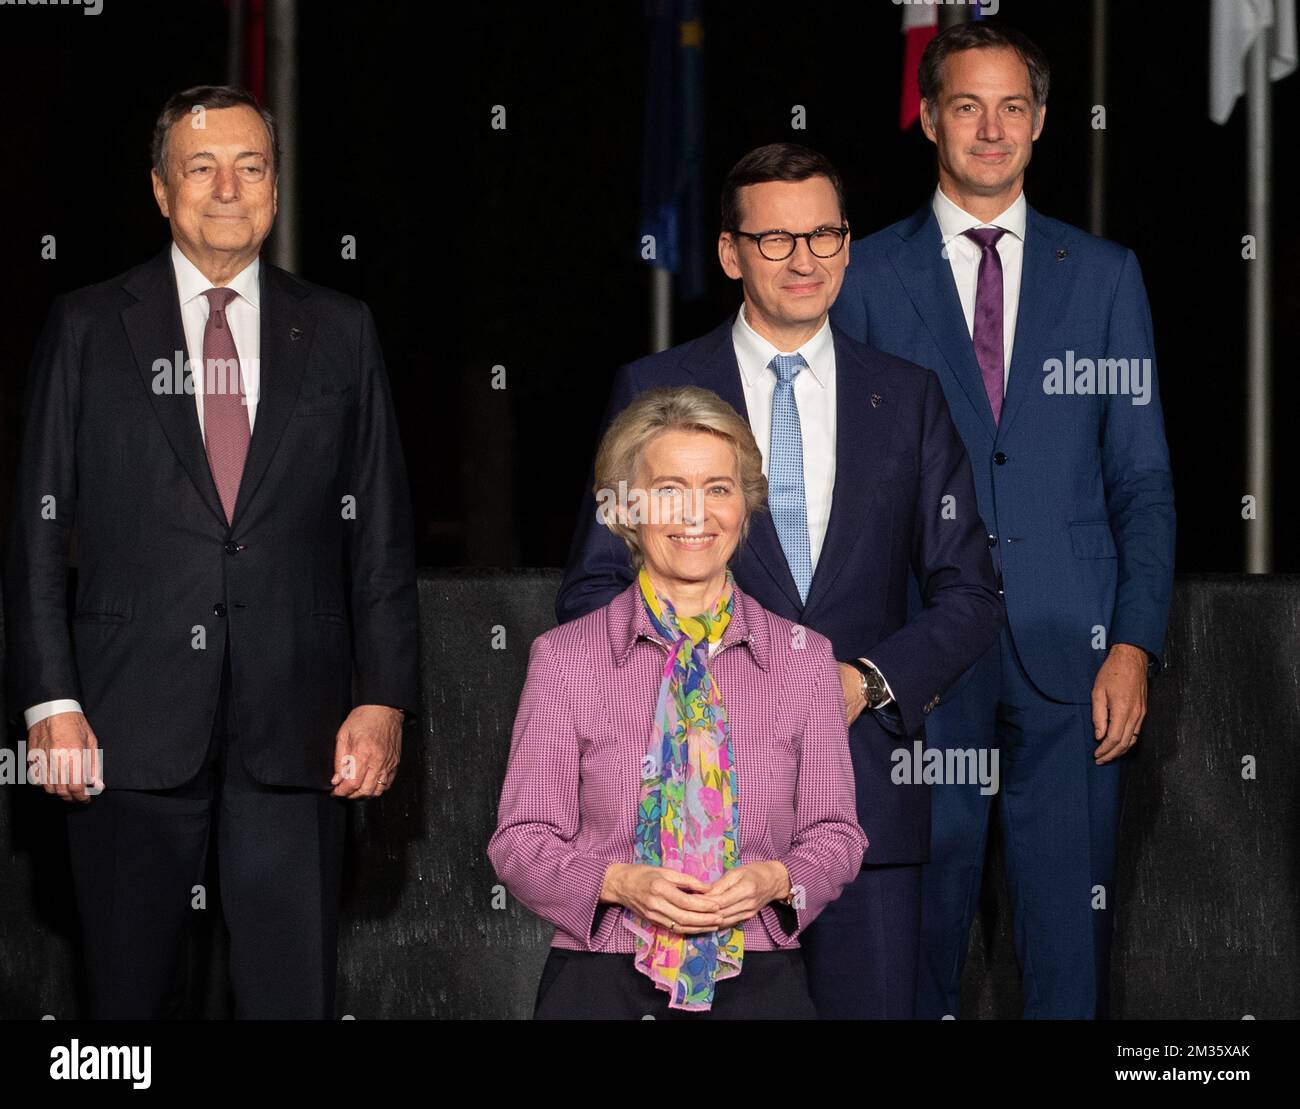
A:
(920, 25)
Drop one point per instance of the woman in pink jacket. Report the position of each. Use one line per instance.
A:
(679, 798)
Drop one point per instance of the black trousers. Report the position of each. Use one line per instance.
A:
(138, 864)
(593, 985)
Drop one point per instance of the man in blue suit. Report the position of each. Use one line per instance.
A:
(1041, 337)
(868, 484)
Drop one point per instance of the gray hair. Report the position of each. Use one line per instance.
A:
(208, 97)
(683, 408)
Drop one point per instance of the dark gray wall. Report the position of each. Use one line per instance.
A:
(1208, 917)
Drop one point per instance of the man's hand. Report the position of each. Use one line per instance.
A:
(62, 768)
(1119, 701)
(367, 751)
(851, 682)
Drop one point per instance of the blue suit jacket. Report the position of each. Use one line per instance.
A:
(897, 455)
(1077, 488)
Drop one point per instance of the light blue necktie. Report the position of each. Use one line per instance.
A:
(785, 491)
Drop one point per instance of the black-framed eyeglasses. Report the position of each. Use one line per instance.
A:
(777, 246)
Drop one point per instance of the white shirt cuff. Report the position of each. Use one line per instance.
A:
(37, 713)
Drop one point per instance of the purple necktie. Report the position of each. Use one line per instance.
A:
(225, 415)
(987, 335)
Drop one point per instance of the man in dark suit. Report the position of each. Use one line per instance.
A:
(1041, 336)
(867, 481)
(242, 648)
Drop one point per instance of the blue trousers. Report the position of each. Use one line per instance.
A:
(1059, 814)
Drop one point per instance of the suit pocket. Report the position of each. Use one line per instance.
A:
(102, 610)
(1092, 539)
(323, 403)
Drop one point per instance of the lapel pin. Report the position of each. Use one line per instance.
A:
(295, 333)
(1060, 254)
(876, 400)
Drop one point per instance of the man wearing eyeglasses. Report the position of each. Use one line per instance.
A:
(867, 481)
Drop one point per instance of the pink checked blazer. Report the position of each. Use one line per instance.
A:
(568, 806)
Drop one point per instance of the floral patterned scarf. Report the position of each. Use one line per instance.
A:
(689, 816)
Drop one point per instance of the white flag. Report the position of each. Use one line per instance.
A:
(1234, 27)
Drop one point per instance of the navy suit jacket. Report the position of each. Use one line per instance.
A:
(1076, 488)
(897, 456)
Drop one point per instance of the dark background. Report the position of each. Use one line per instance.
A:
(519, 248)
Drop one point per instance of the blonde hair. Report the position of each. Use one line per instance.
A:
(679, 408)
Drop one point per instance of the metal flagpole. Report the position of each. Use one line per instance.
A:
(952, 14)
(1097, 190)
(661, 308)
(235, 44)
(282, 97)
(1259, 442)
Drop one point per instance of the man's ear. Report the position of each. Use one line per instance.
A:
(1038, 123)
(927, 123)
(159, 193)
(727, 255)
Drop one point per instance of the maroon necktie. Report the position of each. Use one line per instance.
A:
(225, 415)
(987, 335)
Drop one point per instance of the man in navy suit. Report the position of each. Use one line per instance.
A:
(868, 483)
(1041, 337)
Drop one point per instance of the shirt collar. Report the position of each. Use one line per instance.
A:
(629, 621)
(754, 353)
(191, 283)
(954, 220)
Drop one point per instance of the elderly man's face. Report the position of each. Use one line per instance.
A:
(797, 292)
(699, 506)
(220, 191)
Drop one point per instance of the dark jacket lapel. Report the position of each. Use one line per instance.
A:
(862, 446)
(153, 327)
(926, 274)
(714, 367)
(1044, 275)
(286, 336)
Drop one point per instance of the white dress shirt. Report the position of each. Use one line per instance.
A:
(964, 258)
(242, 315)
(814, 396)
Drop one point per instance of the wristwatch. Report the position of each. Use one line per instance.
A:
(874, 690)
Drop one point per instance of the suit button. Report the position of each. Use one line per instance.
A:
(1000, 458)
(233, 548)
(218, 609)
(993, 540)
